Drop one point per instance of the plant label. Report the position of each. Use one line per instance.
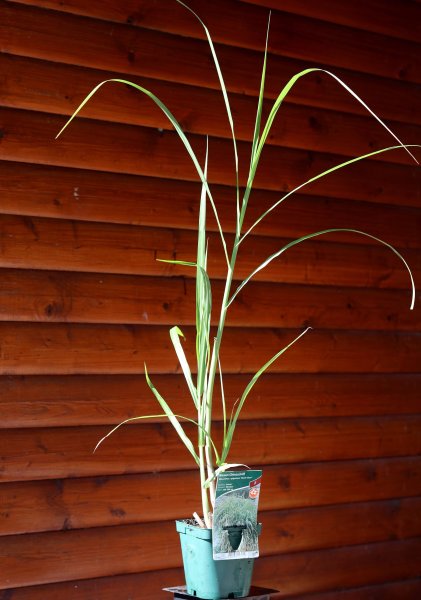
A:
(235, 528)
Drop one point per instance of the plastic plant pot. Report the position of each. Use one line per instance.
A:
(208, 578)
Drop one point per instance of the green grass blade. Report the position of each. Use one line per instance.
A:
(185, 263)
(284, 92)
(233, 421)
(172, 418)
(277, 104)
(316, 234)
(206, 295)
(143, 417)
(175, 334)
(255, 142)
(203, 314)
(224, 406)
(177, 128)
(223, 90)
(257, 124)
(372, 113)
(258, 148)
(319, 176)
(203, 292)
(131, 420)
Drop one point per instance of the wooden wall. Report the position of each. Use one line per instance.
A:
(336, 425)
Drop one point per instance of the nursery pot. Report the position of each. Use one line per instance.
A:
(208, 578)
(235, 534)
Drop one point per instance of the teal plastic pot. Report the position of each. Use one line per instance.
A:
(207, 578)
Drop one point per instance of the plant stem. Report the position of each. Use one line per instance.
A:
(211, 473)
(204, 491)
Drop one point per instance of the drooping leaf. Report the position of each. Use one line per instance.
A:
(131, 420)
(172, 418)
(233, 421)
(316, 234)
(319, 176)
(177, 128)
(175, 334)
(281, 97)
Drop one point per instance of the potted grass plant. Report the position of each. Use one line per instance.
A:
(233, 579)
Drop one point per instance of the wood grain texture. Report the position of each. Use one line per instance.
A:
(395, 20)
(68, 452)
(56, 88)
(29, 137)
(57, 296)
(138, 548)
(405, 590)
(244, 26)
(56, 348)
(295, 574)
(81, 195)
(129, 50)
(73, 400)
(307, 572)
(83, 303)
(80, 503)
(36, 243)
(142, 547)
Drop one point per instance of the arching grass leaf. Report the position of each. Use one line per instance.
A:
(316, 234)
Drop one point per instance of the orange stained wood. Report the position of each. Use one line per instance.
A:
(102, 298)
(118, 148)
(48, 400)
(375, 15)
(68, 452)
(141, 547)
(132, 51)
(38, 243)
(84, 302)
(295, 573)
(46, 191)
(79, 503)
(56, 348)
(296, 36)
(56, 88)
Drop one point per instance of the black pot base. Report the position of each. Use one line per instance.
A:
(256, 593)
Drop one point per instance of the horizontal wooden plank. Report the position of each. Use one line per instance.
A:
(43, 401)
(29, 137)
(38, 558)
(36, 243)
(57, 296)
(40, 190)
(402, 590)
(130, 50)
(56, 348)
(291, 35)
(397, 20)
(67, 452)
(295, 573)
(137, 586)
(57, 88)
(87, 502)
(306, 572)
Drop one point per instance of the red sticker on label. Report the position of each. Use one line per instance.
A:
(254, 492)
